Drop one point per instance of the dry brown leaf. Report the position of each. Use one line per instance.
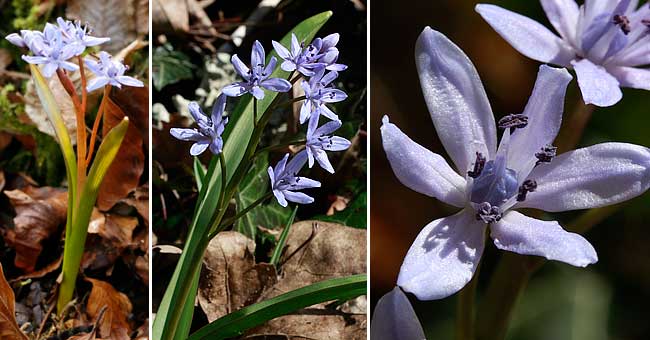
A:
(39, 213)
(9, 329)
(174, 13)
(112, 234)
(41, 272)
(118, 230)
(5, 59)
(2, 180)
(108, 18)
(5, 140)
(124, 173)
(318, 251)
(142, 268)
(231, 279)
(114, 324)
(142, 333)
(38, 116)
(139, 199)
(142, 17)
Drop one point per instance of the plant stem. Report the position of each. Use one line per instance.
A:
(574, 126)
(465, 309)
(233, 219)
(224, 181)
(254, 111)
(278, 146)
(288, 102)
(98, 118)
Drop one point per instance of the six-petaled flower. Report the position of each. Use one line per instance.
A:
(108, 71)
(606, 42)
(320, 140)
(285, 180)
(318, 94)
(445, 254)
(208, 132)
(257, 77)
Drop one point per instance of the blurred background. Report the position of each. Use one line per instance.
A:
(607, 300)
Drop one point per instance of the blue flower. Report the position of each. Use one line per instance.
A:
(319, 140)
(298, 58)
(208, 131)
(285, 180)
(74, 33)
(395, 319)
(318, 94)
(607, 42)
(108, 71)
(488, 184)
(324, 51)
(256, 77)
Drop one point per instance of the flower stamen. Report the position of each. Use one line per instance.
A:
(479, 164)
(513, 121)
(623, 22)
(488, 213)
(529, 185)
(546, 155)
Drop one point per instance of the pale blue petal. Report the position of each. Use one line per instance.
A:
(525, 235)
(598, 87)
(395, 319)
(240, 67)
(186, 134)
(276, 84)
(234, 89)
(420, 169)
(591, 177)
(527, 36)
(199, 147)
(298, 197)
(637, 78)
(444, 256)
(129, 81)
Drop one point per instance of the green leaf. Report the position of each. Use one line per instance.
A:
(254, 186)
(235, 324)
(199, 172)
(279, 247)
(237, 134)
(354, 215)
(75, 239)
(170, 66)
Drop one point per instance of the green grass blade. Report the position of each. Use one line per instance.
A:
(277, 252)
(237, 134)
(234, 324)
(75, 240)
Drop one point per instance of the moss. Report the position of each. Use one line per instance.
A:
(26, 16)
(45, 165)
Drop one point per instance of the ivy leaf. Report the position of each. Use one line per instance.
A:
(170, 66)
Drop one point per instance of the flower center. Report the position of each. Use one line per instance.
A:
(495, 184)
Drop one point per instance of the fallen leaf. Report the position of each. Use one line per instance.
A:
(9, 329)
(142, 268)
(41, 272)
(142, 17)
(139, 199)
(118, 230)
(172, 13)
(339, 204)
(5, 140)
(230, 278)
(111, 236)
(5, 59)
(2, 180)
(108, 18)
(39, 213)
(124, 173)
(115, 323)
(142, 333)
(92, 335)
(317, 251)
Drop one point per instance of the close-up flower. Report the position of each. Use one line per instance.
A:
(285, 180)
(298, 58)
(108, 71)
(75, 33)
(257, 78)
(208, 132)
(395, 319)
(606, 42)
(319, 93)
(488, 183)
(320, 140)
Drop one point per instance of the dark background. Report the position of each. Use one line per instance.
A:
(607, 300)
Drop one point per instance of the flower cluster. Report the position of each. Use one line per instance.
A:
(606, 42)
(488, 183)
(318, 61)
(57, 44)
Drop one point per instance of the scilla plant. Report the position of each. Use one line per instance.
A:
(60, 49)
(234, 143)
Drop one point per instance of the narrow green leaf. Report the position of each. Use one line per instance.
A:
(199, 172)
(277, 252)
(235, 324)
(237, 134)
(75, 239)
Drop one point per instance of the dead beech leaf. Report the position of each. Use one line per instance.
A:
(39, 213)
(124, 173)
(5, 59)
(111, 236)
(9, 329)
(114, 324)
(174, 13)
(142, 268)
(139, 199)
(230, 278)
(318, 251)
(38, 116)
(41, 272)
(142, 17)
(109, 18)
